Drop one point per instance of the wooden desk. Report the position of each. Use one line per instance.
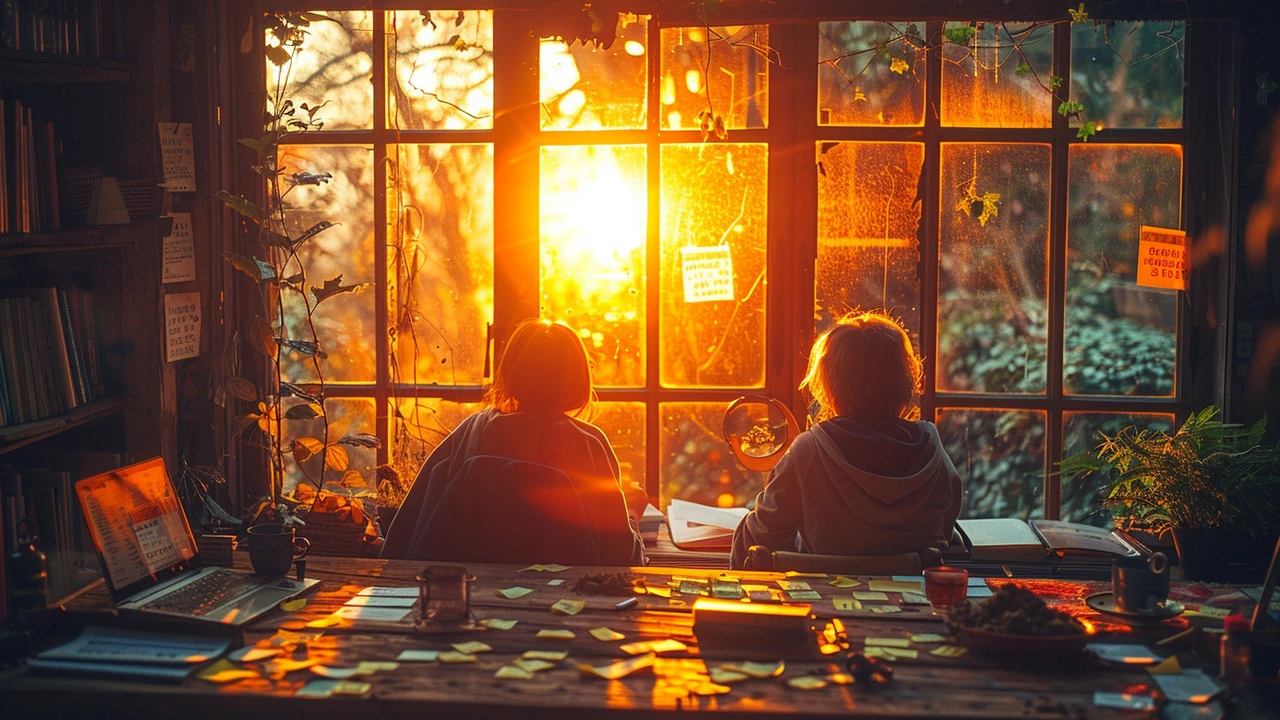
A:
(971, 686)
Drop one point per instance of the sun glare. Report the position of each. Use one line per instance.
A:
(592, 214)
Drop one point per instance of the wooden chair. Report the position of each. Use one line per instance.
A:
(760, 557)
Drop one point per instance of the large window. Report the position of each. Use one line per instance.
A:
(698, 202)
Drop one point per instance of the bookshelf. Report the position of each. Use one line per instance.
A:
(107, 394)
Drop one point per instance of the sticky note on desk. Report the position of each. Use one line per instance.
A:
(379, 601)
(555, 634)
(758, 669)
(224, 671)
(568, 607)
(844, 582)
(869, 596)
(895, 586)
(511, 672)
(498, 624)
(317, 688)
(418, 656)
(1192, 686)
(1123, 701)
(1209, 612)
(620, 669)
(400, 592)
(846, 603)
(976, 591)
(512, 593)
(604, 634)
(549, 655)
(532, 666)
(794, 585)
(371, 614)
(472, 647)
(887, 642)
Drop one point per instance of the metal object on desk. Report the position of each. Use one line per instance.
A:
(444, 598)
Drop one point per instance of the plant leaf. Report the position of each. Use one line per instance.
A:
(242, 389)
(264, 337)
(361, 440)
(306, 347)
(249, 266)
(336, 458)
(304, 448)
(313, 231)
(242, 206)
(959, 35)
(278, 55)
(308, 411)
(334, 286)
(352, 479)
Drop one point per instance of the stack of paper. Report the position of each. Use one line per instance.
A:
(702, 527)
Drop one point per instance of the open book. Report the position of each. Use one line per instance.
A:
(1042, 541)
(702, 527)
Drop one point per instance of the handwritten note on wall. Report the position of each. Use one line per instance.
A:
(177, 150)
(179, 250)
(1162, 258)
(181, 326)
(707, 272)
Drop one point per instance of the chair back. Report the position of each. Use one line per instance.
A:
(760, 557)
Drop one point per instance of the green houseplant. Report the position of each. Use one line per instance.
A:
(1215, 486)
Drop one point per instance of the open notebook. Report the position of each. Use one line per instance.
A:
(702, 527)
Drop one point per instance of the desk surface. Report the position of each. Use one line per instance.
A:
(970, 686)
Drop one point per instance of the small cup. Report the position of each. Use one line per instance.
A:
(273, 548)
(945, 586)
(1139, 584)
(444, 594)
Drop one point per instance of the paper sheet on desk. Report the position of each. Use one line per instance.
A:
(373, 614)
(397, 592)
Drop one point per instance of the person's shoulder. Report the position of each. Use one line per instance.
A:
(587, 428)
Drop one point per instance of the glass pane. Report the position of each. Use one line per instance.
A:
(588, 88)
(868, 224)
(441, 67)
(1121, 338)
(1128, 74)
(623, 424)
(998, 76)
(993, 282)
(1082, 498)
(594, 215)
(714, 246)
(697, 465)
(331, 68)
(347, 416)
(344, 323)
(440, 257)
(870, 73)
(1000, 457)
(728, 77)
(418, 426)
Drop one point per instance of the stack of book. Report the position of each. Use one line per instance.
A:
(29, 200)
(48, 353)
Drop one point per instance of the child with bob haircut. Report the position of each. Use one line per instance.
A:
(536, 403)
(865, 479)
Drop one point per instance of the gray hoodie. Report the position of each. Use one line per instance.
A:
(849, 488)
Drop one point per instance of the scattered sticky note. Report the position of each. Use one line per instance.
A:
(253, 654)
(317, 688)
(948, 651)
(338, 673)
(556, 582)
(225, 671)
(293, 605)
(620, 669)
(911, 598)
(653, 646)
(512, 593)
(373, 666)
(1209, 612)
(758, 669)
(1169, 666)
(928, 637)
(888, 642)
(844, 582)
(532, 666)
(604, 634)
(846, 603)
(978, 591)
(510, 672)
(281, 666)
(451, 656)
(803, 595)
(721, 676)
(351, 687)
(807, 682)
(658, 591)
(794, 585)
(884, 609)
(869, 595)
(548, 567)
(400, 592)
(471, 647)
(556, 634)
(324, 622)
(371, 614)
(496, 624)
(568, 607)
(418, 655)
(895, 586)
(797, 573)
(1192, 686)
(551, 655)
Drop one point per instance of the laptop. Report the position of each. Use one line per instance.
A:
(149, 557)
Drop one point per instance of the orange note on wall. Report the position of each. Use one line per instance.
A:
(1162, 258)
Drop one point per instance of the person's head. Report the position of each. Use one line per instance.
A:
(864, 367)
(544, 367)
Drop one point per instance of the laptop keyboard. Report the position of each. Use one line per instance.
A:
(205, 594)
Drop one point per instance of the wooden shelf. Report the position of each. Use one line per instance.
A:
(88, 237)
(21, 68)
(15, 436)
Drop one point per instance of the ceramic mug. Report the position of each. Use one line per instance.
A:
(1139, 584)
(273, 548)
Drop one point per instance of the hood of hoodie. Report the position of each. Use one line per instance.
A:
(884, 472)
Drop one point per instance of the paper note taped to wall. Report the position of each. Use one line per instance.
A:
(181, 326)
(707, 272)
(1162, 258)
(179, 250)
(178, 154)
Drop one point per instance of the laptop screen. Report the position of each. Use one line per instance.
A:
(138, 526)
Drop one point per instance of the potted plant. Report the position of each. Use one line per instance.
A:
(289, 420)
(1215, 486)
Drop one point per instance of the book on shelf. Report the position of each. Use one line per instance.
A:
(30, 196)
(44, 335)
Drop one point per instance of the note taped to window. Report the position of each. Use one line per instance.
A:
(708, 273)
(1162, 258)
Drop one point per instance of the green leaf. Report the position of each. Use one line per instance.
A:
(1070, 108)
(308, 411)
(1023, 68)
(959, 35)
(242, 206)
(242, 389)
(313, 231)
(1087, 131)
(257, 269)
(1055, 82)
(278, 55)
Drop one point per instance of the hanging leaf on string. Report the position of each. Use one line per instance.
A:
(960, 35)
(334, 286)
(985, 206)
(899, 66)
(1079, 14)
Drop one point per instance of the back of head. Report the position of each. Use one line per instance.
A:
(544, 367)
(864, 367)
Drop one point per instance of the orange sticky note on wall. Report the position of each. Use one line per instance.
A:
(1162, 258)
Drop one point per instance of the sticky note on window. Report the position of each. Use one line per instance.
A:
(707, 273)
(1162, 258)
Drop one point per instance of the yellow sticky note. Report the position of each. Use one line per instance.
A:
(846, 603)
(899, 653)
(807, 682)
(720, 676)
(884, 609)
(895, 586)
(708, 688)
(351, 687)
(844, 582)
(282, 666)
(293, 605)
(604, 634)
(1210, 612)
(568, 607)
(556, 634)
(928, 637)
(373, 666)
(512, 593)
(451, 657)
(888, 642)
(653, 646)
(532, 666)
(869, 596)
(472, 647)
(552, 567)
(224, 671)
(758, 669)
(324, 622)
(794, 573)
(496, 624)
(1168, 666)
(658, 590)
(338, 673)
(551, 655)
(509, 672)
(841, 678)
(794, 585)
(948, 651)
(620, 669)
